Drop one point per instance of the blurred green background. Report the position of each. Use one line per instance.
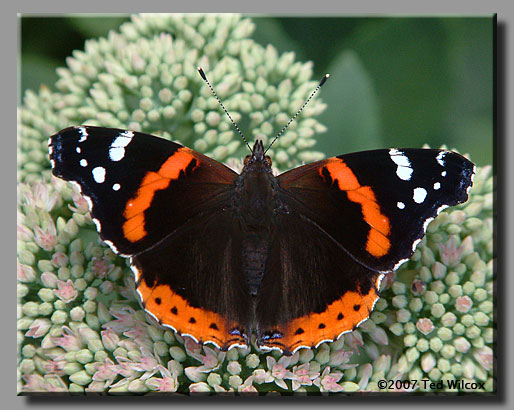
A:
(394, 81)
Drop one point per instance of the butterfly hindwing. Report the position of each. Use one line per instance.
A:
(191, 281)
(377, 204)
(323, 292)
(141, 188)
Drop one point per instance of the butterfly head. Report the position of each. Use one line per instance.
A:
(258, 157)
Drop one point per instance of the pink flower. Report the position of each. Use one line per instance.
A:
(24, 233)
(106, 372)
(425, 326)
(328, 381)
(340, 357)
(138, 332)
(33, 383)
(279, 370)
(168, 382)
(54, 367)
(124, 321)
(484, 356)
(354, 340)
(191, 346)
(25, 273)
(127, 368)
(101, 267)
(247, 387)
(42, 198)
(450, 254)
(60, 259)
(211, 360)
(146, 363)
(46, 237)
(38, 328)
(81, 205)
(303, 376)
(66, 291)
(110, 339)
(69, 340)
(463, 304)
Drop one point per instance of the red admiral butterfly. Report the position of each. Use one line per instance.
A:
(296, 259)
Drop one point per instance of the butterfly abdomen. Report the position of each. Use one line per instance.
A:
(255, 251)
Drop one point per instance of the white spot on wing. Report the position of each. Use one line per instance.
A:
(116, 154)
(99, 174)
(437, 185)
(78, 150)
(440, 158)
(116, 187)
(400, 205)
(117, 148)
(83, 133)
(403, 168)
(419, 195)
(443, 174)
(83, 163)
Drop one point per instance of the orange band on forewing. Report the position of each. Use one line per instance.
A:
(173, 310)
(341, 316)
(377, 243)
(134, 226)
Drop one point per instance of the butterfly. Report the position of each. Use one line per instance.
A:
(287, 261)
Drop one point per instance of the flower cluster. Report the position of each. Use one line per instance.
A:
(144, 78)
(80, 326)
(439, 308)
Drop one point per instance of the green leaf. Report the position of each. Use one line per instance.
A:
(352, 115)
(37, 70)
(96, 26)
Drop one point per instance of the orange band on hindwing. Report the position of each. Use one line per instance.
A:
(134, 226)
(377, 243)
(341, 316)
(172, 310)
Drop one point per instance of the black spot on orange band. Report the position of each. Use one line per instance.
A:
(340, 316)
(203, 325)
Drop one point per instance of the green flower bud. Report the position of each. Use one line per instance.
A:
(177, 353)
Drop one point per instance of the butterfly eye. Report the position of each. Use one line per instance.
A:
(268, 160)
(247, 159)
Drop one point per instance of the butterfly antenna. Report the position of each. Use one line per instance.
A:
(201, 72)
(323, 80)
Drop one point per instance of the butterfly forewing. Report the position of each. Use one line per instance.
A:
(141, 187)
(376, 204)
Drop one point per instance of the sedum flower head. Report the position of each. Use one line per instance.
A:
(145, 78)
(440, 307)
(80, 326)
